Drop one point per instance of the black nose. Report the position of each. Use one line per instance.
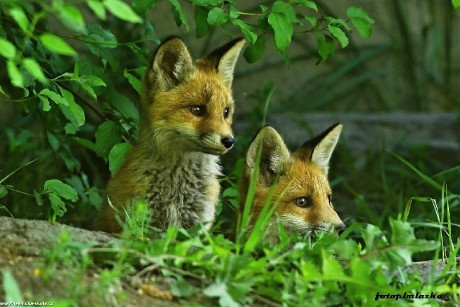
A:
(228, 141)
(341, 228)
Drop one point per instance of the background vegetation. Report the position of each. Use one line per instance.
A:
(69, 83)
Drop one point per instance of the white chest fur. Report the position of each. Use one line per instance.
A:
(178, 189)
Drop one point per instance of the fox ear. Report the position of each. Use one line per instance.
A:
(275, 155)
(224, 59)
(171, 65)
(319, 149)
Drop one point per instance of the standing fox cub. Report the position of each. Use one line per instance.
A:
(298, 181)
(186, 118)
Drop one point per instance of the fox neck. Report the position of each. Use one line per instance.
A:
(151, 143)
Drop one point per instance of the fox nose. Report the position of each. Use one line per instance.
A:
(341, 228)
(228, 141)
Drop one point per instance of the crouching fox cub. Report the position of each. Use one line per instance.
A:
(186, 119)
(298, 181)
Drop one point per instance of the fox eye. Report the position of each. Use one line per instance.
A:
(226, 112)
(303, 202)
(197, 110)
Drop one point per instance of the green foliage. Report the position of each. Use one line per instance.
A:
(300, 272)
(281, 20)
(56, 190)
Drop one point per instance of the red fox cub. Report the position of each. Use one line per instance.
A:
(298, 181)
(186, 118)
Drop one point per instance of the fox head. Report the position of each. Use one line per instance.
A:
(188, 105)
(298, 181)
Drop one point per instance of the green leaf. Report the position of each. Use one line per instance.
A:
(11, 287)
(21, 19)
(122, 10)
(3, 191)
(122, 104)
(108, 134)
(361, 21)
(135, 82)
(142, 6)
(207, 2)
(39, 198)
(220, 290)
(60, 189)
(201, 22)
(71, 17)
(58, 99)
(325, 46)
(247, 30)
(7, 49)
(283, 29)
(402, 235)
(217, 17)
(73, 112)
(312, 20)
(102, 38)
(95, 197)
(330, 266)
(89, 90)
(233, 12)
(456, 3)
(281, 19)
(254, 52)
(361, 272)
(92, 80)
(70, 129)
(286, 9)
(179, 14)
(345, 249)
(87, 83)
(97, 7)
(14, 74)
(117, 156)
(53, 141)
(306, 3)
(339, 34)
(181, 288)
(3, 92)
(309, 269)
(34, 68)
(57, 205)
(56, 44)
(338, 22)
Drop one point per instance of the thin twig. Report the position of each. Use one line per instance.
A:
(265, 300)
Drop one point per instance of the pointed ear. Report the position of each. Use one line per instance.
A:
(275, 155)
(319, 149)
(171, 65)
(224, 59)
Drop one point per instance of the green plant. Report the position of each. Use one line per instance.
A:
(330, 269)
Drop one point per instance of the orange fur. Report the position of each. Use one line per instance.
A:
(291, 177)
